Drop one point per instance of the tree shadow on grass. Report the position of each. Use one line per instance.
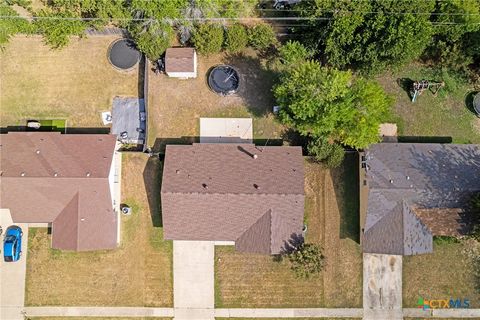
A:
(347, 193)
(152, 178)
(255, 83)
(406, 84)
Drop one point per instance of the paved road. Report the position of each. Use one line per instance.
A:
(12, 281)
(382, 287)
(193, 280)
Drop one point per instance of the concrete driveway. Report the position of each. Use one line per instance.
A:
(12, 278)
(382, 286)
(193, 280)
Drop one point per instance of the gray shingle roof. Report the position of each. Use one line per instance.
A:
(223, 192)
(400, 175)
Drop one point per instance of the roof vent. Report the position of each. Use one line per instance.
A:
(88, 174)
(37, 152)
(254, 156)
(204, 185)
(55, 174)
(391, 181)
(408, 177)
(82, 219)
(177, 171)
(256, 186)
(22, 174)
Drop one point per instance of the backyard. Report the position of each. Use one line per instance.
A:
(139, 273)
(76, 83)
(248, 280)
(175, 106)
(443, 115)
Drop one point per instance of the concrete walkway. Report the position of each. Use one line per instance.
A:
(12, 280)
(193, 280)
(257, 313)
(382, 287)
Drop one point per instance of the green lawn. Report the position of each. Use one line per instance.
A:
(444, 115)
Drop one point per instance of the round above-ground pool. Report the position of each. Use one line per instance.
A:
(223, 80)
(476, 103)
(123, 55)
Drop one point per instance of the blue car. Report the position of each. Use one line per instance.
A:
(12, 245)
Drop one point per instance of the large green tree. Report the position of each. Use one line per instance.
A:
(325, 103)
(367, 34)
(457, 24)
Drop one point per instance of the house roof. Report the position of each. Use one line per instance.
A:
(234, 192)
(403, 175)
(180, 60)
(60, 179)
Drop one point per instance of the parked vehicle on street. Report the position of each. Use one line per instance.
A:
(12, 244)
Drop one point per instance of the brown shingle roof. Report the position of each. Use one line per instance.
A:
(180, 60)
(451, 222)
(65, 179)
(209, 193)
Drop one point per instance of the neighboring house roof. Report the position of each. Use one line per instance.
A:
(63, 180)
(233, 192)
(180, 60)
(403, 177)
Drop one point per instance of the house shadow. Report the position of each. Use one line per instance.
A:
(346, 179)
(69, 130)
(152, 178)
(256, 83)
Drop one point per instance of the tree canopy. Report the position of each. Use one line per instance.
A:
(365, 34)
(326, 103)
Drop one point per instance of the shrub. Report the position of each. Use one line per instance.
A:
(235, 38)
(306, 260)
(261, 36)
(208, 38)
(152, 39)
(294, 52)
(332, 154)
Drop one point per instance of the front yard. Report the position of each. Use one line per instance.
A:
(139, 273)
(446, 273)
(248, 280)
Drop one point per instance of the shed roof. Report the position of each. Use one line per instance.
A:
(180, 60)
(233, 192)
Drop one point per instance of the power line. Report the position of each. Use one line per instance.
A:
(222, 19)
